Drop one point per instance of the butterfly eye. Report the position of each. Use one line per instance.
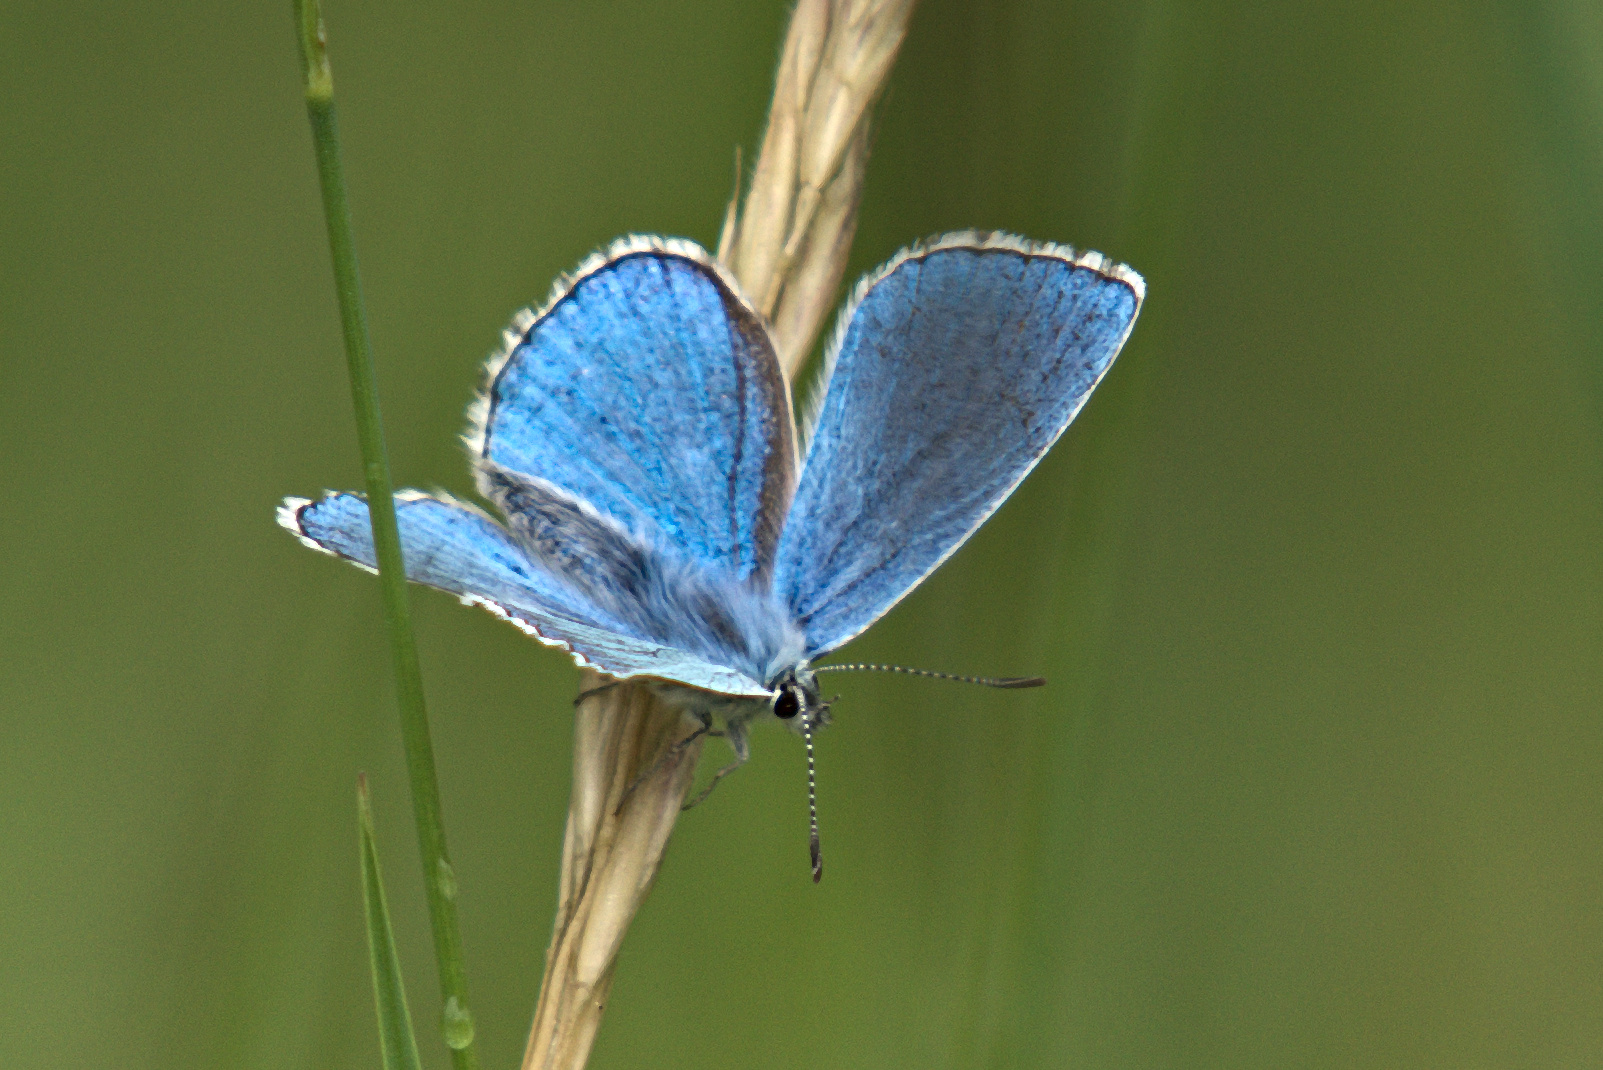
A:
(787, 705)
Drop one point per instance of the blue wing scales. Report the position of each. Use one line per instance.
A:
(457, 549)
(648, 388)
(959, 366)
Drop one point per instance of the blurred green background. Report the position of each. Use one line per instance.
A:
(1316, 576)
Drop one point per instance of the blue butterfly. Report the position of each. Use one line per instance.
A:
(661, 521)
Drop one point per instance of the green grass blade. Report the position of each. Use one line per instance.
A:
(396, 1039)
(457, 1023)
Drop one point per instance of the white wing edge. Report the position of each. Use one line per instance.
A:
(957, 239)
(289, 518)
(972, 239)
(750, 688)
(524, 319)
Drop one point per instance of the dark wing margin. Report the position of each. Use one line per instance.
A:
(648, 387)
(954, 369)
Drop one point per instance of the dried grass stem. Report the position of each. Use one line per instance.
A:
(787, 245)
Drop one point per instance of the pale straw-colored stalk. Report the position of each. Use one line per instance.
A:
(787, 246)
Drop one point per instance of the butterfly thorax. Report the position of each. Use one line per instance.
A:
(795, 701)
(730, 621)
(638, 581)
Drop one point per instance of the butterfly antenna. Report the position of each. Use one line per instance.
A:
(988, 681)
(812, 809)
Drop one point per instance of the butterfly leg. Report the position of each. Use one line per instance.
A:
(668, 754)
(735, 732)
(594, 691)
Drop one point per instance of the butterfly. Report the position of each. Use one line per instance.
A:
(660, 517)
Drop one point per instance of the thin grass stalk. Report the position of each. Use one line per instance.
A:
(397, 1042)
(457, 1021)
(787, 245)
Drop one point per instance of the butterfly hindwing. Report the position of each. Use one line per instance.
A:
(648, 587)
(458, 549)
(648, 388)
(959, 364)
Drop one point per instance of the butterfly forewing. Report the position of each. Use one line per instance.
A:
(959, 366)
(649, 389)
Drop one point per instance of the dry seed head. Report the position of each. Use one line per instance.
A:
(791, 237)
(787, 245)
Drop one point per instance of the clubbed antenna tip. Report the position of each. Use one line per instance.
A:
(813, 846)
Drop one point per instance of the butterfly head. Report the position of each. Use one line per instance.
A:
(797, 702)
